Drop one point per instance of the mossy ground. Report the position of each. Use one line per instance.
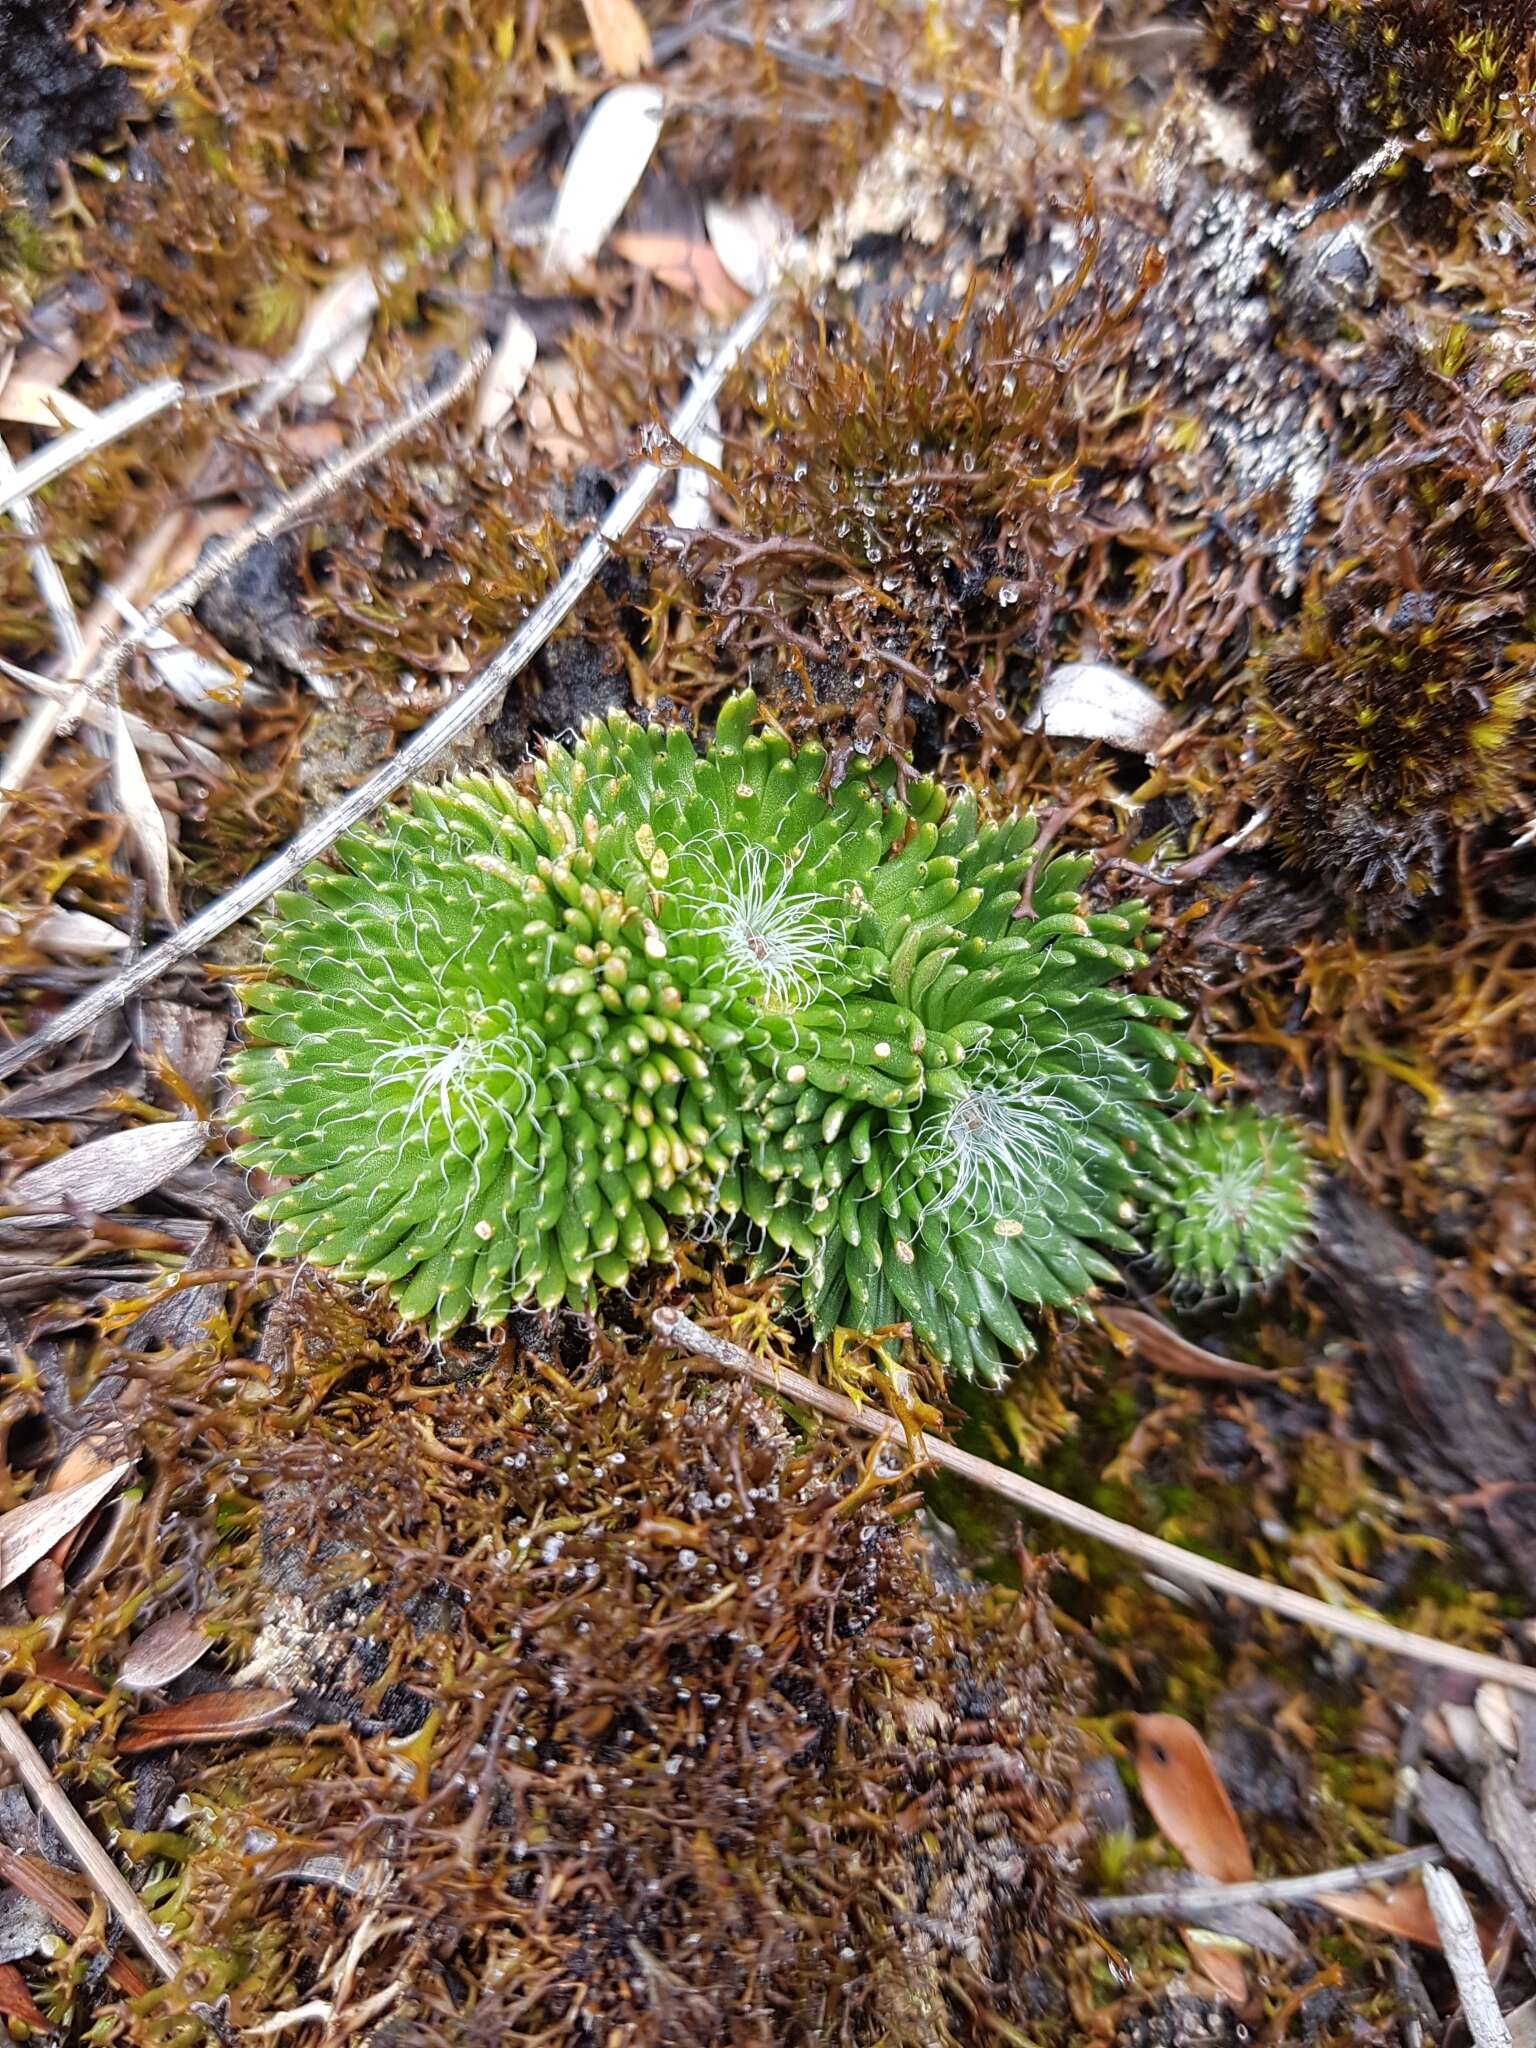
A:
(1081, 384)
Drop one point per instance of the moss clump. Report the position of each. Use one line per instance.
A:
(1327, 84)
(659, 1735)
(913, 506)
(1383, 732)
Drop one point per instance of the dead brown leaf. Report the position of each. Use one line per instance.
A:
(208, 1717)
(56, 1670)
(1169, 1352)
(189, 1040)
(1401, 1910)
(165, 1650)
(17, 2002)
(1188, 1800)
(40, 1883)
(109, 1171)
(1219, 1963)
(687, 266)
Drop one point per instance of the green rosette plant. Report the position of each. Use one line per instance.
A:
(1231, 1200)
(506, 1044)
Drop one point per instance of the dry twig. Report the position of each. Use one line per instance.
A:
(1263, 1891)
(425, 746)
(109, 425)
(1463, 1951)
(98, 1866)
(1169, 1559)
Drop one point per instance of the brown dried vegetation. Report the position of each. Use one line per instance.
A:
(613, 1705)
(1097, 388)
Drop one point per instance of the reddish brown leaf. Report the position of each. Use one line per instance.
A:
(57, 1670)
(1187, 1799)
(1170, 1352)
(17, 2002)
(689, 267)
(208, 1717)
(1401, 1909)
(1220, 1966)
(39, 1882)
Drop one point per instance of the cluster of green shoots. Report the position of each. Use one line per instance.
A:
(506, 1046)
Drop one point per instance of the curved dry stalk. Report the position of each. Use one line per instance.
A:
(1169, 1559)
(419, 752)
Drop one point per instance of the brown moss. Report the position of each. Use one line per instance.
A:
(911, 509)
(622, 1712)
(1327, 84)
(1386, 727)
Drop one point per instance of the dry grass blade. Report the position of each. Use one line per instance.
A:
(30, 742)
(31, 1531)
(1169, 1558)
(108, 1171)
(83, 1845)
(141, 815)
(484, 688)
(45, 573)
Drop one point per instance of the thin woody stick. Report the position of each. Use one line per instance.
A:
(423, 748)
(110, 424)
(676, 1328)
(1463, 1951)
(224, 555)
(1263, 1891)
(83, 1845)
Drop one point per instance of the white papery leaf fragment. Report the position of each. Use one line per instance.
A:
(606, 165)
